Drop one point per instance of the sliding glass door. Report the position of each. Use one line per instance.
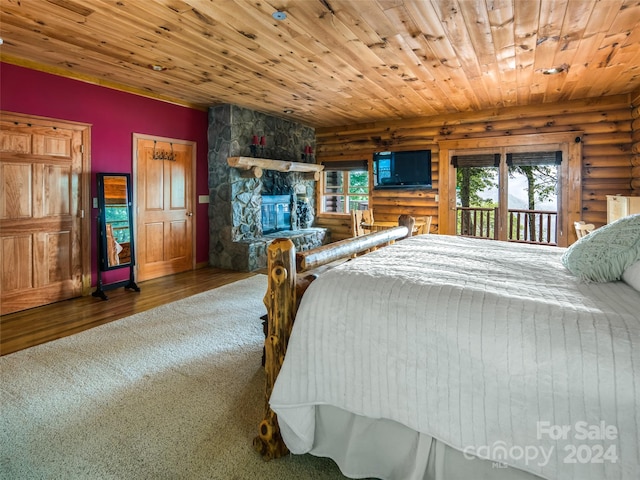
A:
(508, 195)
(521, 189)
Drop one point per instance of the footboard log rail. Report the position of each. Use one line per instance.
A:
(285, 287)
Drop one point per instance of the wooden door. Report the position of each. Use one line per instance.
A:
(164, 206)
(44, 221)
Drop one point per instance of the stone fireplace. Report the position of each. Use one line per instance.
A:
(237, 238)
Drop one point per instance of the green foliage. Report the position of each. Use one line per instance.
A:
(359, 182)
(117, 213)
(542, 181)
(471, 181)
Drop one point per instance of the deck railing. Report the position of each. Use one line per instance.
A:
(477, 222)
(525, 226)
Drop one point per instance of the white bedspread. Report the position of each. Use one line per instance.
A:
(490, 347)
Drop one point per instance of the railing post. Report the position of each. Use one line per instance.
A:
(280, 300)
(540, 233)
(510, 236)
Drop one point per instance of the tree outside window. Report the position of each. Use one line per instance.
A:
(345, 190)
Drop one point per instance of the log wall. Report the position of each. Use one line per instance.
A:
(635, 147)
(610, 150)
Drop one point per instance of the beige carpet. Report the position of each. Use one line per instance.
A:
(172, 393)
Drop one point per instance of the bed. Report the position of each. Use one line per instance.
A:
(445, 357)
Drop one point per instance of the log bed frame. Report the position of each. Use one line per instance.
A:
(289, 274)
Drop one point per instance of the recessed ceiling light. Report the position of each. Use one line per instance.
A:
(157, 68)
(554, 70)
(288, 111)
(1, 41)
(278, 15)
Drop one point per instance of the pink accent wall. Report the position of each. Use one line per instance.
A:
(114, 117)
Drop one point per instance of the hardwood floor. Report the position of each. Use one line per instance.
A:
(42, 324)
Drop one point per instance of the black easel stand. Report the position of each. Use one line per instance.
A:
(127, 284)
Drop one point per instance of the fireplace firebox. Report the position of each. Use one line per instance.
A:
(276, 213)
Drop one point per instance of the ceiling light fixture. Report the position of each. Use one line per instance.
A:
(279, 15)
(554, 70)
(288, 111)
(157, 68)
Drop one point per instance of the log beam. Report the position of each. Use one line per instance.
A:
(315, 176)
(246, 163)
(345, 248)
(252, 172)
(284, 289)
(280, 301)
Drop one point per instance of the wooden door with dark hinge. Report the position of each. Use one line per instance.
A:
(164, 206)
(44, 223)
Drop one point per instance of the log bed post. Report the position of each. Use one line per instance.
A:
(280, 301)
(284, 288)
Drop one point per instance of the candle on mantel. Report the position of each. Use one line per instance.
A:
(255, 140)
(263, 141)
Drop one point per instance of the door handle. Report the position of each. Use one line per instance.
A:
(189, 214)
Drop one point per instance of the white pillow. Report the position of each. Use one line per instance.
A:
(632, 276)
(604, 254)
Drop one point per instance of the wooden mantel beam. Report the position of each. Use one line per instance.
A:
(246, 163)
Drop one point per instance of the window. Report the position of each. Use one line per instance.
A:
(345, 187)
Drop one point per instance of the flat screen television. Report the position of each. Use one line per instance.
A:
(409, 169)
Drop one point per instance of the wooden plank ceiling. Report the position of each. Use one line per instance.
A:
(335, 62)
